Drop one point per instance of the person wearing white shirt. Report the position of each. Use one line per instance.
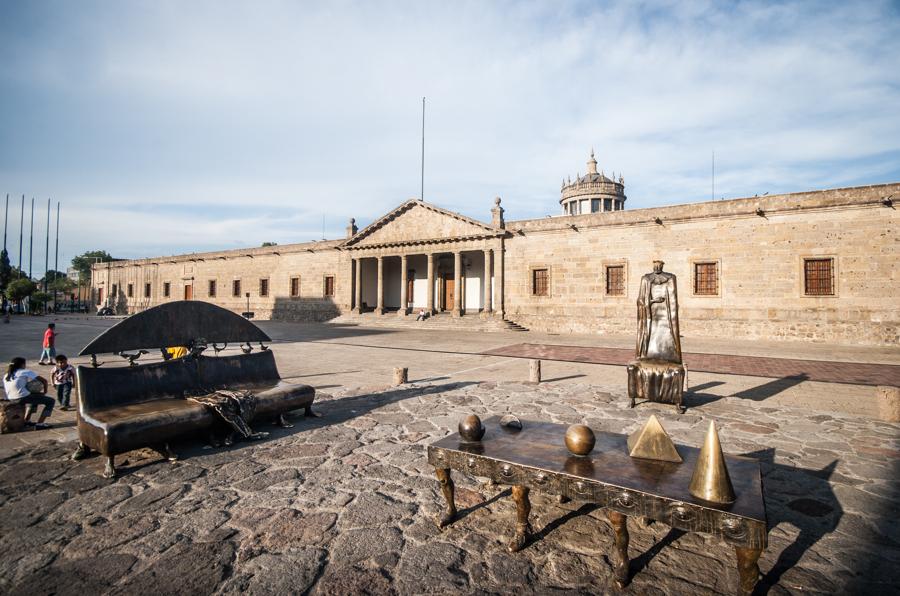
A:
(27, 387)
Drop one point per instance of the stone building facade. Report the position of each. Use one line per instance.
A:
(818, 265)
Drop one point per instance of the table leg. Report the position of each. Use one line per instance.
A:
(523, 509)
(620, 564)
(748, 569)
(443, 476)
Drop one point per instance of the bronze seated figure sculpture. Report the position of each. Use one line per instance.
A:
(147, 405)
(658, 373)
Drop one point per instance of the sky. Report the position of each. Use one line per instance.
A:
(165, 127)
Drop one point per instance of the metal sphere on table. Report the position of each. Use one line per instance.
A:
(580, 439)
(471, 429)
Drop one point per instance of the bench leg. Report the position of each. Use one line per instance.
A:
(443, 476)
(620, 560)
(167, 452)
(523, 510)
(282, 422)
(110, 470)
(308, 412)
(81, 452)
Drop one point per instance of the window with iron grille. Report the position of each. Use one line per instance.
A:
(329, 285)
(706, 279)
(115, 290)
(540, 282)
(615, 280)
(167, 289)
(236, 288)
(264, 287)
(211, 292)
(131, 290)
(147, 290)
(295, 287)
(818, 277)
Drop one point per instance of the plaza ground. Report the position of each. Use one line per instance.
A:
(345, 503)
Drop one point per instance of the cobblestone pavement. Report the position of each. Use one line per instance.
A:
(346, 504)
(856, 373)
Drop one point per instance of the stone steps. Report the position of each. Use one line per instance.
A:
(470, 322)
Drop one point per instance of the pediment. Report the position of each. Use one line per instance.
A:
(417, 221)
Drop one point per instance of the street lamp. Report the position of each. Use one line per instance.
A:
(247, 313)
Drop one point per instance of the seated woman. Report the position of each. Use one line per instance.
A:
(26, 387)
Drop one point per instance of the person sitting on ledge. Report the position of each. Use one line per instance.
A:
(25, 386)
(422, 315)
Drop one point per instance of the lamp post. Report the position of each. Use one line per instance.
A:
(248, 314)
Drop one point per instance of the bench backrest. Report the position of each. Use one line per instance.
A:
(106, 387)
(219, 373)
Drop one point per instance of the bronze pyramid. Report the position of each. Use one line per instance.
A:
(652, 442)
(711, 481)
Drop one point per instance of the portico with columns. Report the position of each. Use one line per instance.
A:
(421, 257)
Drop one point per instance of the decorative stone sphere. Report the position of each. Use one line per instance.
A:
(580, 439)
(471, 429)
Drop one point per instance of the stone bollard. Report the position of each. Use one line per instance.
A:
(534, 371)
(400, 375)
(889, 403)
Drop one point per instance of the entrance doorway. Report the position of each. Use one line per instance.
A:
(448, 293)
(188, 292)
(410, 288)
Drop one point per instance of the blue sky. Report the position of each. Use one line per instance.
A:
(168, 127)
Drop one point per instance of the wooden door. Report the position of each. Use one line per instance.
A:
(410, 286)
(188, 292)
(100, 296)
(449, 290)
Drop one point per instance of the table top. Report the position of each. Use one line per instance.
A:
(541, 445)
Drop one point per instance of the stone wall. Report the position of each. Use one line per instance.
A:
(759, 256)
(311, 262)
(757, 243)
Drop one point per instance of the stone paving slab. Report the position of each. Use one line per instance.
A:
(346, 504)
(854, 373)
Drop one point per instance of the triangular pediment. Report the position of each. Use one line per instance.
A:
(416, 221)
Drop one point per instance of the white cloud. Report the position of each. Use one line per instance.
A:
(293, 110)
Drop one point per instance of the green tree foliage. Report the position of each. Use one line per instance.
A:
(5, 270)
(83, 263)
(63, 285)
(39, 299)
(20, 289)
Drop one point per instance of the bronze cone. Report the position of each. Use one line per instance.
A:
(653, 442)
(710, 481)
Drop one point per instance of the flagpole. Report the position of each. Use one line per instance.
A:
(56, 259)
(31, 240)
(422, 179)
(21, 227)
(47, 248)
(5, 221)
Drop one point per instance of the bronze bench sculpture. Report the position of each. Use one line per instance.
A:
(143, 405)
(658, 373)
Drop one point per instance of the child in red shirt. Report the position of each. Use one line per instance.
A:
(49, 351)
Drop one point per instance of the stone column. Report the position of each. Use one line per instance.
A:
(357, 291)
(499, 306)
(403, 297)
(457, 284)
(379, 309)
(429, 292)
(488, 262)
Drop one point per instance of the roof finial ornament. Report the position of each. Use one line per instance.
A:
(592, 164)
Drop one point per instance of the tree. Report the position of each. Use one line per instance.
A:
(50, 277)
(5, 270)
(39, 299)
(63, 285)
(83, 263)
(19, 290)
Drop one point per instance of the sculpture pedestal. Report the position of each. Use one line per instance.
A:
(657, 381)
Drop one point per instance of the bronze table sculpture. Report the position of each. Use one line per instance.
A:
(658, 373)
(537, 458)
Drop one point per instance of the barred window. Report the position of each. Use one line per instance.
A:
(131, 290)
(115, 290)
(147, 290)
(818, 277)
(295, 287)
(167, 289)
(706, 279)
(264, 287)
(212, 289)
(615, 280)
(236, 288)
(540, 282)
(329, 286)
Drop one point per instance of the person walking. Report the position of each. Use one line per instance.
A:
(25, 386)
(49, 351)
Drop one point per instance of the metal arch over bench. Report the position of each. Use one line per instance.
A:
(144, 405)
